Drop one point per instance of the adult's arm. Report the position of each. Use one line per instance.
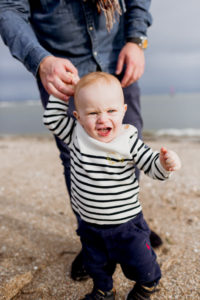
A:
(137, 18)
(137, 21)
(18, 35)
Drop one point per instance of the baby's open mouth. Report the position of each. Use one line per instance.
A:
(104, 131)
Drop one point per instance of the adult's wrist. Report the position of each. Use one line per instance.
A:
(141, 41)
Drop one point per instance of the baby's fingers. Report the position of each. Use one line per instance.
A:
(173, 161)
(163, 151)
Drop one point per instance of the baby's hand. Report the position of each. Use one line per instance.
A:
(169, 160)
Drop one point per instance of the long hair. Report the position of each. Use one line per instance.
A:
(111, 9)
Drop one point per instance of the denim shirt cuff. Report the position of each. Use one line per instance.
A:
(34, 58)
(136, 29)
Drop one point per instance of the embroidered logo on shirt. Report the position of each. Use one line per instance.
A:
(115, 156)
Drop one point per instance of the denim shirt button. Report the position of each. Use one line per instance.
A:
(90, 28)
(95, 53)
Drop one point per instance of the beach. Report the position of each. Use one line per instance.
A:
(37, 226)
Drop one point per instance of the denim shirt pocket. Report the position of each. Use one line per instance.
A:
(56, 6)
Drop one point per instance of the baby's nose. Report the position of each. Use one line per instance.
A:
(102, 117)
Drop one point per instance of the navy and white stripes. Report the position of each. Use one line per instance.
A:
(104, 188)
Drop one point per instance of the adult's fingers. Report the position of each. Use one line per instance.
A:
(133, 72)
(70, 67)
(52, 90)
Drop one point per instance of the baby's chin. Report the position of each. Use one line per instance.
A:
(105, 139)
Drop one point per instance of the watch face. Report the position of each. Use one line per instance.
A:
(144, 43)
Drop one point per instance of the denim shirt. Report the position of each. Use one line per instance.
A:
(74, 29)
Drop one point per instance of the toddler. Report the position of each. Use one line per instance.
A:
(104, 187)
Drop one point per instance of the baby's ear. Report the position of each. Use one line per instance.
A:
(75, 113)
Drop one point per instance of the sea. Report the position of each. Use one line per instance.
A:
(163, 114)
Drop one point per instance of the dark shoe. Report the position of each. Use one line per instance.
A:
(100, 295)
(78, 272)
(140, 292)
(155, 240)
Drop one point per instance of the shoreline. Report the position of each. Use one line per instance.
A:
(171, 135)
(164, 114)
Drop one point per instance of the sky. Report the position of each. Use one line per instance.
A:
(172, 57)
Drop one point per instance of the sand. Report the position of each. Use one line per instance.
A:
(37, 227)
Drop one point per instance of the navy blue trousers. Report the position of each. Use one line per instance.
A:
(127, 244)
(132, 116)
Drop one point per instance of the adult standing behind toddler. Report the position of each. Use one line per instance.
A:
(53, 37)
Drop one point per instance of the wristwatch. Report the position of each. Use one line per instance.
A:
(141, 41)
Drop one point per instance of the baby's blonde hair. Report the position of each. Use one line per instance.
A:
(93, 77)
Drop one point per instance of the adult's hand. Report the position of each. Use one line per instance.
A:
(58, 76)
(132, 56)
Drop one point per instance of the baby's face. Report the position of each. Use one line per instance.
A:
(100, 110)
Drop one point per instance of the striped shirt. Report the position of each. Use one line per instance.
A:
(104, 188)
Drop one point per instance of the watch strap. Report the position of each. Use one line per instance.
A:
(142, 41)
